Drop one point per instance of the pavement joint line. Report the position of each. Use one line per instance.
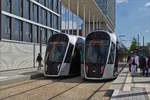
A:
(95, 91)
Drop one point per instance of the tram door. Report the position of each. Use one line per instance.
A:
(77, 57)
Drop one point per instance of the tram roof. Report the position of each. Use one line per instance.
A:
(90, 5)
(112, 35)
(72, 38)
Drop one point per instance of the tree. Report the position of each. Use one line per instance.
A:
(133, 45)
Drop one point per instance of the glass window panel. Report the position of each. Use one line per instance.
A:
(55, 22)
(34, 13)
(34, 33)
(42, 2)
(55, 5)
(49, 34)
(49, 19)
(26, 11)
(49, 4)
(6, 25)
(6, 5)
(43, 17)
(16, 30)
(27, 34)
(44, 36)
(17, 7)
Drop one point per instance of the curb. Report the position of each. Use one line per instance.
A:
(19, 78)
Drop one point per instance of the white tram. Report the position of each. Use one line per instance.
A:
(99, 55)
(64, 55)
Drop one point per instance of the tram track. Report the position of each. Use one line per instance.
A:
(66, 91)
(22, 83)
(35, 88)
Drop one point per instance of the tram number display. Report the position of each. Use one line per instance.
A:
(100, 42)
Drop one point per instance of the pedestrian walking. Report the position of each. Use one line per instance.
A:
(134, 61)
(39, 60)
(146, 66)
(129, 60)
(141, 63)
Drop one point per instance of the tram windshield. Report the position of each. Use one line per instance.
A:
(56, 51)
(97, 51)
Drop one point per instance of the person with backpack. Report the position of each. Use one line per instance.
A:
(134, 61)
(39, 60)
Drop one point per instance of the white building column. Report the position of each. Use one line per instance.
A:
(93, 23)
(89, 22)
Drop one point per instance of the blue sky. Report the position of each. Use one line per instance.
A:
(132, 18)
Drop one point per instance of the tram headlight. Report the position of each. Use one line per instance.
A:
(102, 69)
(86, 69)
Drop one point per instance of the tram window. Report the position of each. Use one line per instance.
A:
(111, 56)
(96, 53)
(56, 51)
(69, 53)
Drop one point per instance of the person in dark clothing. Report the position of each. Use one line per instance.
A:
(148, 63)
(39, 60)
(140, 63)
(128, 60)
(144, 66)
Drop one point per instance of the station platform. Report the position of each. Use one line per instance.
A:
(127, 87)
(14, 76)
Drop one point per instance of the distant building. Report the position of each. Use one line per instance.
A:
(24, 25)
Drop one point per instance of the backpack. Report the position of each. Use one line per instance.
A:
(133, 63)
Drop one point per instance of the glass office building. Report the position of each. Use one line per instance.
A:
(108, 8)
(30, 20)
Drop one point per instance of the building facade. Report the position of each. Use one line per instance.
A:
(108, 7)
(25, 25)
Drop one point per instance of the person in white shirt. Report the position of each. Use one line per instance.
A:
(134, 61)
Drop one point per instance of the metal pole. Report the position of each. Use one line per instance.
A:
(65, 15)
(84, 20)
(34, 55)
(40, 41)
(77, 17)
(68, 15)
(143, 45)
(138, 43)
(72, 22)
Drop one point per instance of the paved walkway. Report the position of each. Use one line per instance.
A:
(13, 76)
(127, 87)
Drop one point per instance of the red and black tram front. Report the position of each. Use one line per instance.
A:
(96, 52)
(55, 53)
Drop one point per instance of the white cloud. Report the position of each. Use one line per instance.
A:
(121, 1)
(147, 4)
(147, 31)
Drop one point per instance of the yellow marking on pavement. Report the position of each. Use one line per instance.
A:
(128, 83)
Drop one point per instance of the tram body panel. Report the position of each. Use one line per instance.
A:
(65, 67)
